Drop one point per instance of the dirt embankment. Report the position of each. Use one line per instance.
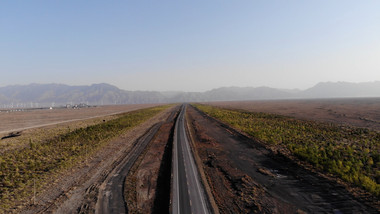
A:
(147, 187)
(359, 112)
(245, 177)
(75, 190)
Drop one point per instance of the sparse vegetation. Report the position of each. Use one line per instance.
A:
(20, 168)
(352, 154)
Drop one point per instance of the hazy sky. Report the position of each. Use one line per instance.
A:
(189, 45)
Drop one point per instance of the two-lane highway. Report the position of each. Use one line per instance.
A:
(188, 193)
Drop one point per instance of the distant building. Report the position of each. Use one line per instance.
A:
(77, 106)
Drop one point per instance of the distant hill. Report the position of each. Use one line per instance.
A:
(247, 93)
(37, 95)
(343, 89)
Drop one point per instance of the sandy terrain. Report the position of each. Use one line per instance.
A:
(76, 188)
(359, 112)
(243, 175)
(19, 120)
(246, 177)
(40, 125)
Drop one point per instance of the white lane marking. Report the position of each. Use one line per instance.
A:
(176, 160)
(191, 160)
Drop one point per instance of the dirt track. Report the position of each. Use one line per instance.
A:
(77, 188)
(245, 177)
(43, 117)
(147, 186)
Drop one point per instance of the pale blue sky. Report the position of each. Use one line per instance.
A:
(189, 45)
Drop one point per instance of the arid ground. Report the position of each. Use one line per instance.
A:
(240, 174)
(18, 120)
(37, 125)
(68, 190)
(247, 177)
(359, 112)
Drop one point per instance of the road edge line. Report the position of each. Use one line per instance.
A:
(198, 161)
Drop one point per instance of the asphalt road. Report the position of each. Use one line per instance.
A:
(187, 191)
(111, 199)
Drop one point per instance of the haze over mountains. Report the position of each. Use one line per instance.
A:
(38, 95)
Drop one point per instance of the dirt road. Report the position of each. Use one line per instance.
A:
(28, 119)
(76, 190)
(245, 177)
(111, 198)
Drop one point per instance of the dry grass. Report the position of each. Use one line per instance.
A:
(21, 120)
(358, 112)
(61, 151)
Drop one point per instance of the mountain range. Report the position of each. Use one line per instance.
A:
(38, 95)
